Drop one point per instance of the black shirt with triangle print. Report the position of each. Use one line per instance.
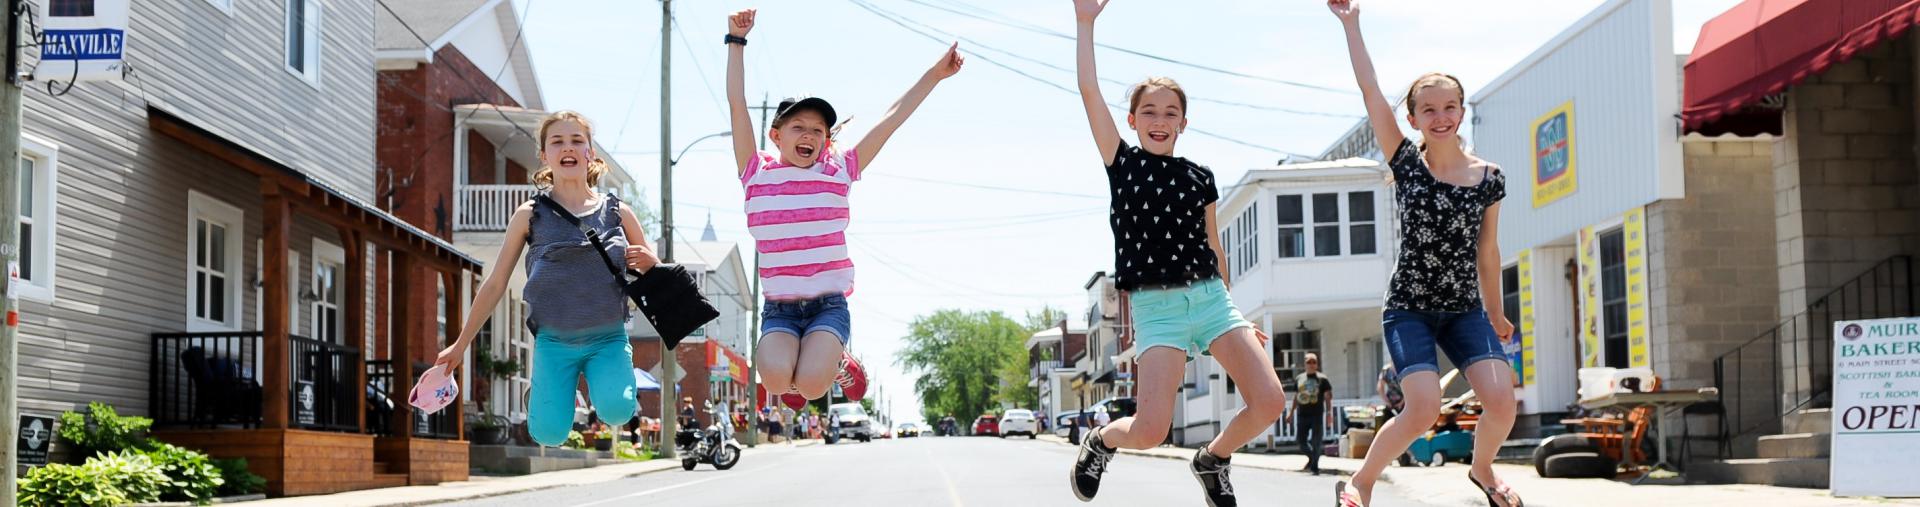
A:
(1159, 219)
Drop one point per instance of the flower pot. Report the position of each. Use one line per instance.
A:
(489, 435)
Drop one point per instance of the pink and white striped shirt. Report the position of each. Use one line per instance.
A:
(798, 218)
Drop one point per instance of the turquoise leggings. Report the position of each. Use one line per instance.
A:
(559, 360)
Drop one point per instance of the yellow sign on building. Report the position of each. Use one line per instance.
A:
(1639, 331)
(1553, 157)
(1526, 318)
(1589, 255)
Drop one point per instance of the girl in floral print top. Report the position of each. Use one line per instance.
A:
(1444, 296)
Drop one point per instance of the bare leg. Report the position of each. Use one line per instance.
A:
(819, 362)
(1493, 385)
(1161, 370)
(774, 357)
(1422, 390)
(1246, 361)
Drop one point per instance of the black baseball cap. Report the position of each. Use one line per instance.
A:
(792, 105)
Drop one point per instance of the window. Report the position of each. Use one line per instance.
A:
(1243, 247)
(1360, 230)
(1328, 228)
(1293, 238)
(225, 6)
(1290, 353)
(39, 164)
(213, 252)
(1326, 225)
(1197, 377)
(328, 267)
(303, 39)
(1510, 307)
(69, 8)
(1613, 298)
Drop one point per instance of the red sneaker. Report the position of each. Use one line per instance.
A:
(852, 379)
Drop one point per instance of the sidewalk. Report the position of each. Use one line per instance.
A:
(488, 486)
(1448, 485)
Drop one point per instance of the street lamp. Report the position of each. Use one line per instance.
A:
(683, 151)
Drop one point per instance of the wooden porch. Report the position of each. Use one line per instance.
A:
(315, 417)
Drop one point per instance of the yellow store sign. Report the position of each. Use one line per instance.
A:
(1638, 329)
(1553, 174)
(1526, 318)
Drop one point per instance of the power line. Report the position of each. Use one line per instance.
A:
(877, 12)
(991, 187)
(480, 92)
(1029, 27)
(1108, 80)
(697, 66)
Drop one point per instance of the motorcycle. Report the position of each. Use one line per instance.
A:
(714, 445)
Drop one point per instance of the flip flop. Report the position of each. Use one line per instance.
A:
(1344, 499)
(1504, 492)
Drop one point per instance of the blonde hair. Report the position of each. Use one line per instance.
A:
(544, 176)
(1430, 80)
(1141, 89)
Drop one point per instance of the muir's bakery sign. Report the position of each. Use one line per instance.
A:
(1876, 407)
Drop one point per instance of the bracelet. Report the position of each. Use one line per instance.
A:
(735, 39)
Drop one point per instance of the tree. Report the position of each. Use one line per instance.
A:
(1047, 317)
(964, 359)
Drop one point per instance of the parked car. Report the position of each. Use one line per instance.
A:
(849, 421)
(1115, 408)
(1019, 422)
(986, 425)
(1063, 423)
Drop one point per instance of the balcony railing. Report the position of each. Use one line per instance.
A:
(208, 380)
(1042, 368)
(487, 207)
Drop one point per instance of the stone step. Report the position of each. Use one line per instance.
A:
(1797, 446)
(385, 480)
(1792, 473)
(382, 467)
(1813, 420)
(496, 452)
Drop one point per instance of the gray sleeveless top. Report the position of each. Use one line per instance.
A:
(568, 286)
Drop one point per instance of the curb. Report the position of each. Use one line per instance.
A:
(529, 489)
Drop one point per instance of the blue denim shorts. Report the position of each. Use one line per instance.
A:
(804, 316)
(1188, 318)
(1413, 337)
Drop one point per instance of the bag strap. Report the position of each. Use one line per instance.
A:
(592, 235)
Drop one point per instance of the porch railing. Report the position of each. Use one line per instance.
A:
(487, 207)
(214, 379)
(1790, 367)
(380, 384)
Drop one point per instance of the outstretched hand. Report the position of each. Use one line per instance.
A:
(1346, 10)
(739, 23)
(1087, 10)
(949, 63)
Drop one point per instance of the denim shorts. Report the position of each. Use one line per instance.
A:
(1413, 337)
(1187, 318)
(804, 316)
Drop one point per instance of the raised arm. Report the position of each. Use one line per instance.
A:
(870, 145)
(738, 24)
(1386, 131)
(1106, 136)
(492, 287)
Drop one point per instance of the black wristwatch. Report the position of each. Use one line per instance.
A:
(735, 39)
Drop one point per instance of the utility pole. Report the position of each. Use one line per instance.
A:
(9, 252)
(753, 335)
(669, 363)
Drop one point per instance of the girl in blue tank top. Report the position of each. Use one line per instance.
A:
(575, 307)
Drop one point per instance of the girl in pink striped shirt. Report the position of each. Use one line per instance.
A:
(797, 212)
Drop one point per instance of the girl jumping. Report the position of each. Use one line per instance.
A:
(1445, 292)
(797, 212)
(1167, 254)
(576, 309)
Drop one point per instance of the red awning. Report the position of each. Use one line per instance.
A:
(1761, 47)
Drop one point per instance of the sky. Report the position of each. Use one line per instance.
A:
(991, 197)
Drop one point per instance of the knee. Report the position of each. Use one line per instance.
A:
(1267, 407)
(813, 389)
(549, 433)
(1498, 402)
(1421, 413)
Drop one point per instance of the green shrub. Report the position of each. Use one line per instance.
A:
(631, 452)
(237, 480)
(135, 473)
(108, 433)
(190, 476)
(68, 485)
(575, 441)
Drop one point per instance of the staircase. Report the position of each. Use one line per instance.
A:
(1775, 420)
(1795, 459)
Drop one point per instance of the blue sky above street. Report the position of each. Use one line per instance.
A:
(991, 196)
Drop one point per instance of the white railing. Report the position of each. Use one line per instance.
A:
(487, 207)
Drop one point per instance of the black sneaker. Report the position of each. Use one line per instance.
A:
(1091, 464)
(1211, 471)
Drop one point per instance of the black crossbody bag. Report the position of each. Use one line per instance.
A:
(666, 295)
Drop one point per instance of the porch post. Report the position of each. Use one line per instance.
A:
(356, 319)
(400, 342)
(274, 339)
(382, 303)
(455, 298)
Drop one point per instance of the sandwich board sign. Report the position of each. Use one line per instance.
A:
(1876, 408)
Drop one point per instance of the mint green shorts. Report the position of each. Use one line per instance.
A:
(1187, 318)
